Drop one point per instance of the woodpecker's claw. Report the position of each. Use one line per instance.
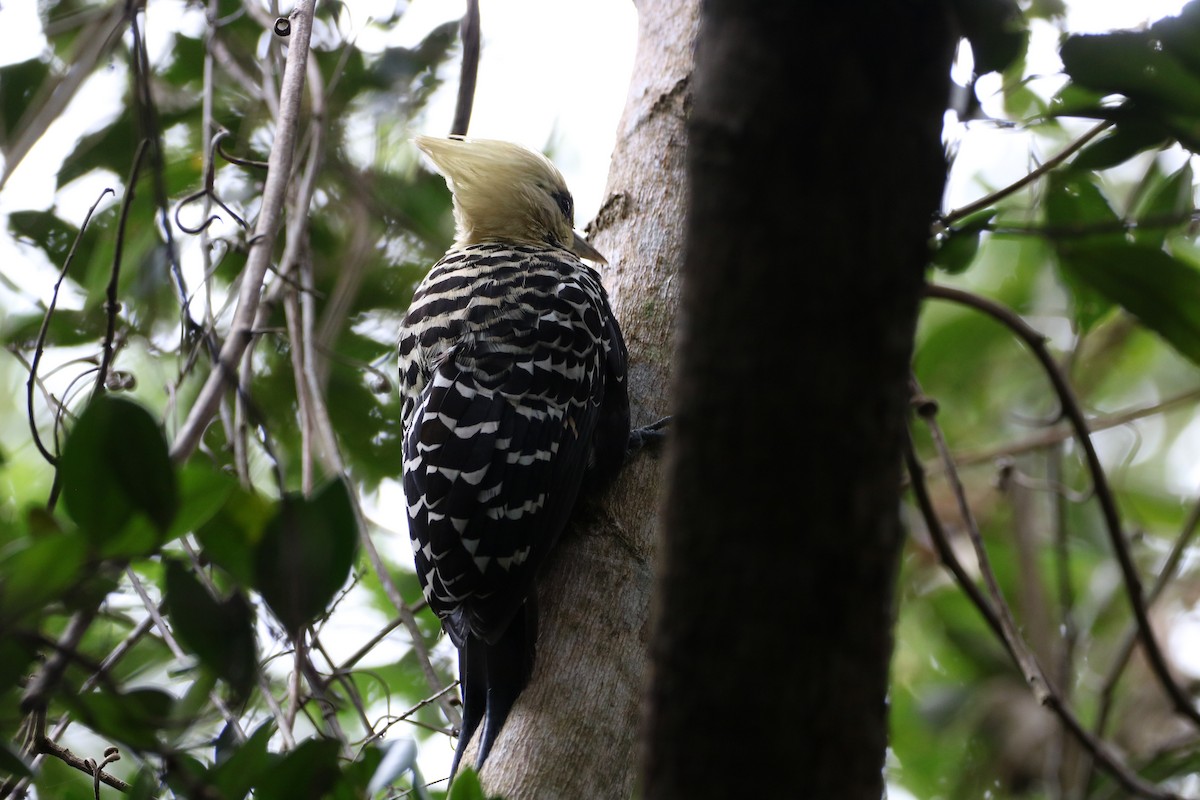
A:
(651, 435)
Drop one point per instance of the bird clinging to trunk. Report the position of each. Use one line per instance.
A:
(512, 375)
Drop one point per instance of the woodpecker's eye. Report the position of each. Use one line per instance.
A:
(565, 204)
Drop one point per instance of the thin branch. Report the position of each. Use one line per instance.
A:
(88, 766)
(40, 346)
(1108, 506)
(469, 32)
(1000, 194)
(112, 306)
(1056, 435)
(274, 192)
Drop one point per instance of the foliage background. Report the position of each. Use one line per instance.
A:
(1098, 254)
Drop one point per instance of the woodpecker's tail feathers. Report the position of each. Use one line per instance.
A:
(491, 677)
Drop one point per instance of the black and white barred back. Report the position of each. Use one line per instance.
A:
(512, 375)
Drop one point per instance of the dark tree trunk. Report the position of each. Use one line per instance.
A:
(815, 167)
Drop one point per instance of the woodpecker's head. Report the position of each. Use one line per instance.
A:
(505, 193)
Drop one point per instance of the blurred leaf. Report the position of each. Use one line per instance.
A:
(1158, 289)
(66, 328)
(11, 762)
(306, 554)
(1167, 203)
(306, 773)
(220, 632)
(45, 230)
(236, 774)
(1077, 212)
(996, 30)
(1133, 64)
(115, 463)
(230, 536)
(136, 717)
(1120, 144)
(466, 786)
(18, 85)
(203, 491)
(957, 249)
(36, 571)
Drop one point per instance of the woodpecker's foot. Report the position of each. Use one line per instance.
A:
(651, 435)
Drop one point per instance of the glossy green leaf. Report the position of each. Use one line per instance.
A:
(115, 463)
(957, 249)
(219, 632)
(306, 554)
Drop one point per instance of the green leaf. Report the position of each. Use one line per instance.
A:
(11, 762)
(306, 554)
(115, 463)
(1157, 288)
(466, 786)
(203, 492)
(960, 244)
(19, 83)
(219, 632)
(38, 570)
(230, 536)
(1167, 203)
(1120, 144)
(45, 230)
(236, 775)
(1076, 213)
(135, 718)
(306, 773)
(1133, 64)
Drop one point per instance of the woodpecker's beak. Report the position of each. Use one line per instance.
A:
(581, 248)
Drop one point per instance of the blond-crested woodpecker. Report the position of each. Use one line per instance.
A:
(512, 376)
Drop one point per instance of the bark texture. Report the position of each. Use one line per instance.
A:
(572, 733)
(815, 165)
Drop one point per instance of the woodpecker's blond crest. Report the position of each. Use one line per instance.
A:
(506, 193)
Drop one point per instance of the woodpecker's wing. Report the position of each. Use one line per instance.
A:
(499, 435)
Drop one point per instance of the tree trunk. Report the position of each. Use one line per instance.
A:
(815, 166)
(573, 731)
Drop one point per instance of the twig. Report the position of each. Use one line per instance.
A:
(40, 346)
(1108, 506)
(112, 306)
(44, 681)
(469, 32)
(1130, 638)
(258, 263)
(998, 195)
(87, 766)
(1053, 436)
